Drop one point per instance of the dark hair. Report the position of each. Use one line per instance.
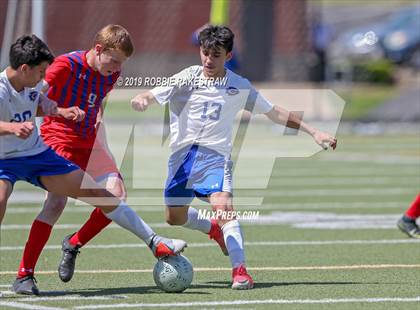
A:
(30, 50)
(215, 37)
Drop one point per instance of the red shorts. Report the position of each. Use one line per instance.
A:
(96, 160)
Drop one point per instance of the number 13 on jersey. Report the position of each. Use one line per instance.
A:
(214, 115)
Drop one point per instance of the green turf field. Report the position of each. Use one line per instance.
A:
(328, 241)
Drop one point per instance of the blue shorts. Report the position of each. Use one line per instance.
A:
(196, 171)
(30, 168)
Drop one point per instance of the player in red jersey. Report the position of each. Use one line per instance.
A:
(83, 79)
(407, 223)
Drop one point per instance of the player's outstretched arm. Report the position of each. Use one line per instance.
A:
(142, 101)
(291, 120)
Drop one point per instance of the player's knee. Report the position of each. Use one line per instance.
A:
(118, 192)
(55, 203)
(221, 201)
(52, 210)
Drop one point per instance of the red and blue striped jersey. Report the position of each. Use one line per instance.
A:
(74, 83)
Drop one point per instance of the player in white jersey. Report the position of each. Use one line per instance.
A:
(24, 156)
(202, 112)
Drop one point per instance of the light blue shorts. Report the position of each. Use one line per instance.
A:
(196, 171)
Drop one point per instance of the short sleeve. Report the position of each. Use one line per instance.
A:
(58, 72)
(256, 103)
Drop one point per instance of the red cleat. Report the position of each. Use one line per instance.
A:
(241, 280)
(216, 234)
(162, 247)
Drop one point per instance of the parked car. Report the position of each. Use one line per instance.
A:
(397, 38)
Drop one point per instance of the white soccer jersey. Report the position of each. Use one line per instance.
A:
(202, 112)
(19, 107)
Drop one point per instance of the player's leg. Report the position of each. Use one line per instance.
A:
(178, 211)
(189, 217)
(195, 174)
(407, 223)
(70, 184)
(222, 204)
(38, 237)
(179, 194)
(6, 189)
(26, 284)
(97, 221)
(176, 214)
(99, 163)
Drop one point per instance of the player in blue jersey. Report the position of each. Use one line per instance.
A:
(25, 157)
(202, 113)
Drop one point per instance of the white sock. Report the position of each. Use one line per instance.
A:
(194, 222)
(234, 242)
(124, 216)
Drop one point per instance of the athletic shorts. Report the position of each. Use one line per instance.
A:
(31, 168)
(96, 160)
(196, 171)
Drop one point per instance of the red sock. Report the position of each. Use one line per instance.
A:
(96, 222)
(414, 210)
(38, 237)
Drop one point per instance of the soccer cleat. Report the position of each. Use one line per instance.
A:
(162, 247)
(68, 261)
(241, 280)
(216, 234)
(409, 227)
(25, 286)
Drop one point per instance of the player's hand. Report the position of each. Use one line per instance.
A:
(72, 114)
(22, 130)
(139, 103)
(325, 140)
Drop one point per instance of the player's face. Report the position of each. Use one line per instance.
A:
(213, 61)
(33, 75)
(110, 61)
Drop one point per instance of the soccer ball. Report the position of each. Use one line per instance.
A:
(173, 274)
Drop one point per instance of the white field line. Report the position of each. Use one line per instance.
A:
(250, 243)
(7, 292)
(78, 297)
(253, 302)
(18, 305)
(210, 269)
(275, 219)
(280, 206)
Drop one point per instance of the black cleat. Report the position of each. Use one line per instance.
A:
(68, 261)
(409, 227)
(25, 286)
